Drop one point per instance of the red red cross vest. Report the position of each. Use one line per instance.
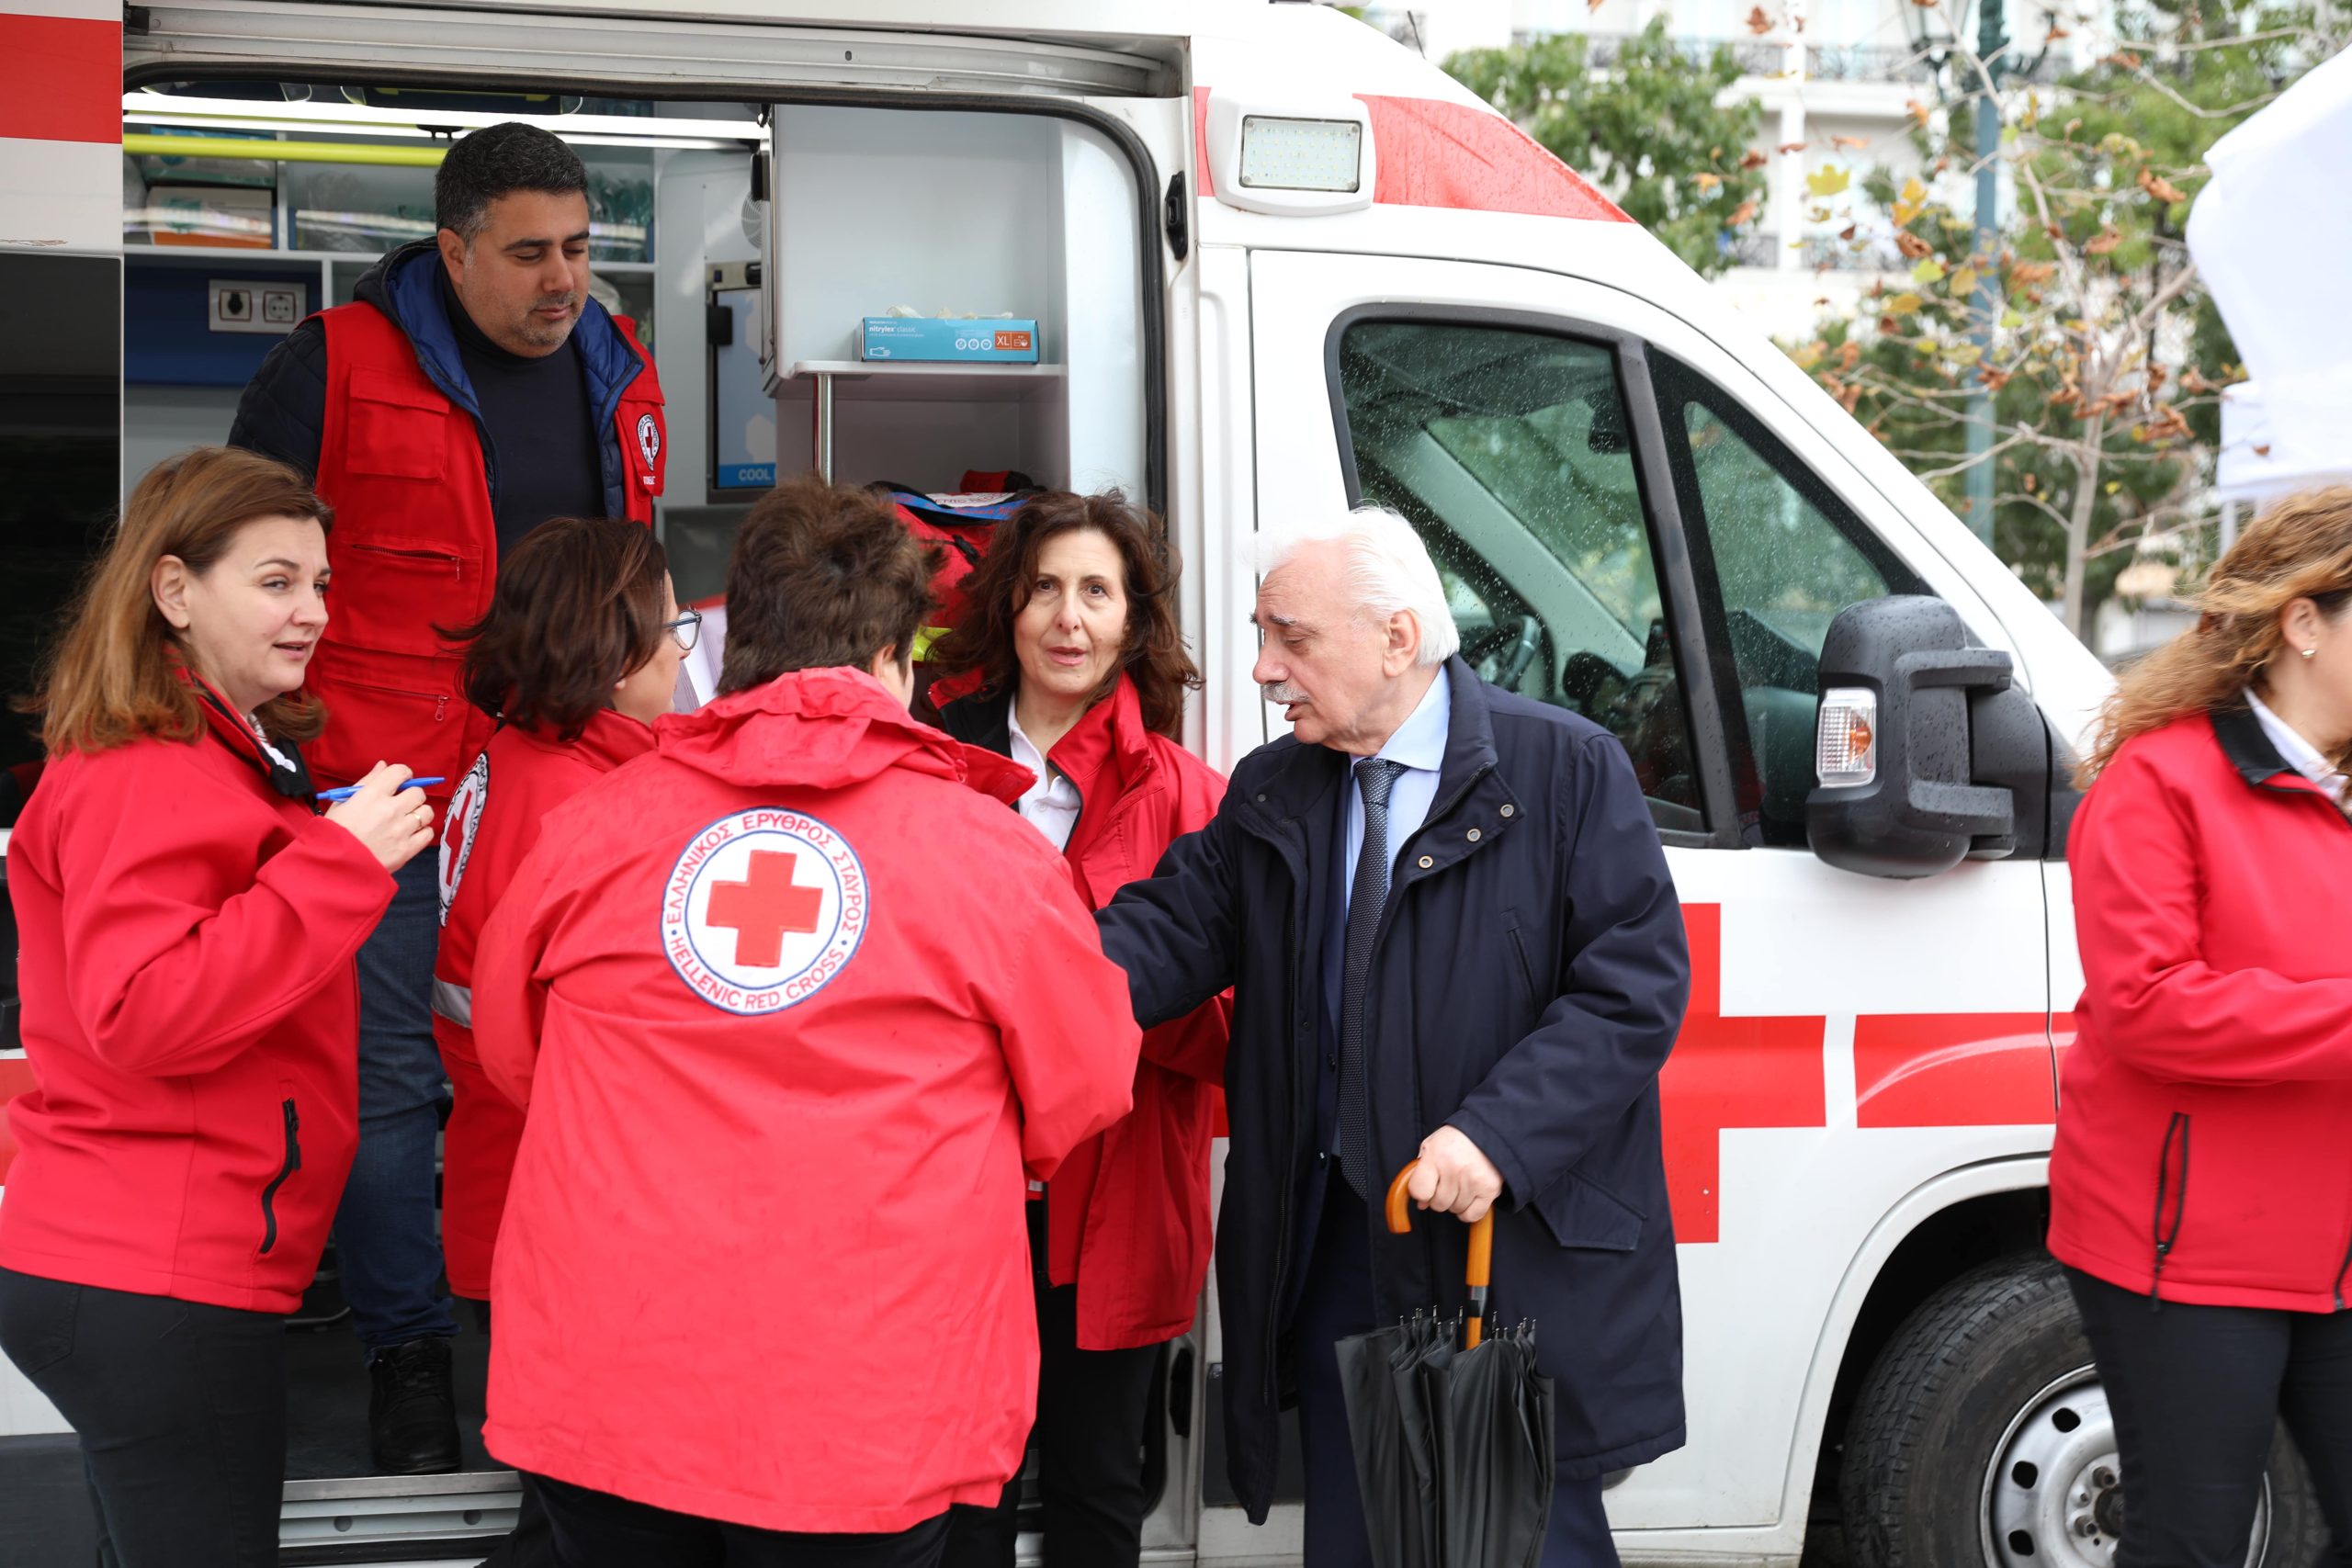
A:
(415, 548)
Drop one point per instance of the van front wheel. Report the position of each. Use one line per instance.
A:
(1982, 1440)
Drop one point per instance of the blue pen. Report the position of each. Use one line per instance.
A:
(347, 791)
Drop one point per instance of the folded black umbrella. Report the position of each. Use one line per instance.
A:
(1453, 1447)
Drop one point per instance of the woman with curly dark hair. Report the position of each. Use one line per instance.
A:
(1071, 636)
(2200, 1187)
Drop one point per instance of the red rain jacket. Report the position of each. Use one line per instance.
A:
(191, 1014)
(2203, 1152)
(483, 838)
(807, 1003)
(1127, 1215)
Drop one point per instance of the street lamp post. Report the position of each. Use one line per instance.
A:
(1983, 75)
(1991, 47)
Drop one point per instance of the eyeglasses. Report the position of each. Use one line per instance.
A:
(686, 628)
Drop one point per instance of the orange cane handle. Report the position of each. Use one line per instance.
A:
(1480, 1273)
(1400, 1203)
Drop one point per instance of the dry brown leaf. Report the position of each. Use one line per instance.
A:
(1848, 353)
(2103, 243)
(2125, 58)
(2056, 32)
(1790, 147)
(1706, 181)
(2163, 189)
(2031, 484)
(1758, 22)
(1917, 110)
(2025, 274)
(1846, 233)
(1746, 210)
(1753, 159)
(1911, 245)
(1994, 379)
(2263, 450)
(1853, 142)
(2195, 384)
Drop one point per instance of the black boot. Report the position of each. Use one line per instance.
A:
(411, 1413)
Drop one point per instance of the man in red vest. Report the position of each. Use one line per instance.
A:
(471, 391)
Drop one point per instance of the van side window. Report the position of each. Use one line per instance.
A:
(1508, 450)
(1776, 555)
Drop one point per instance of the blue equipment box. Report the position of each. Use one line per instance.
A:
(1002, 341)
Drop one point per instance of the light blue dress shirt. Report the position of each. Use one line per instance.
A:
(1420, 745)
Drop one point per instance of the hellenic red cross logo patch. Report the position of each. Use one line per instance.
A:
(763, 909)
(762, 906)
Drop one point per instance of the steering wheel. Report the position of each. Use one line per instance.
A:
(1506, 652)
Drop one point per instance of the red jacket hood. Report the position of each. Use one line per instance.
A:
(825, 729)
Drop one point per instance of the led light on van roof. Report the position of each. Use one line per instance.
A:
(1301, 154)
(1846, 738)
(1289, 148)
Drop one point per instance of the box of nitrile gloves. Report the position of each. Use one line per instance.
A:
(1003, 341)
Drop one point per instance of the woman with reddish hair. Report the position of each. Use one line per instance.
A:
(187, 918)
(1071, 638)
(2201, 1190)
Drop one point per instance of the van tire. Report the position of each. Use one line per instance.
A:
(1966, 1375)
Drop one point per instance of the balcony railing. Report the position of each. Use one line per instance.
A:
(1767, 57)
(1816, 253)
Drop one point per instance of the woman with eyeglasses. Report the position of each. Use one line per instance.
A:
(577, 658)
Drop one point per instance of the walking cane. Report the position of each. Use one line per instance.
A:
(1482, 1249)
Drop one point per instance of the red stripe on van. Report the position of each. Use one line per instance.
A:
(1728, 1072)
(1201, 144)
(64, 78)
(1434, 153)
(1981, 1069)
(15, 1078)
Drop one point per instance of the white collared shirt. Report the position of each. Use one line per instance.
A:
(1420, 745)
(2298, 753)
(1052, 803)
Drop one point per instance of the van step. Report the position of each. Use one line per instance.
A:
(363, 1511)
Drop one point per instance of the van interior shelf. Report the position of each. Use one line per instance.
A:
(914, 381)
(910, 381)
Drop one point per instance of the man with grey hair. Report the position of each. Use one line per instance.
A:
(470, 391)
(1451, 939)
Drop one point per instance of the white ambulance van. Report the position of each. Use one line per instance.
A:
(1277, 264)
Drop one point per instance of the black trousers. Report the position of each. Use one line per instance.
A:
(181, 1410)
(596, 1529)
(2198, 1393)
(1090, 1438)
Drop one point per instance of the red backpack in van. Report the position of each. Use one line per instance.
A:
(960, 524)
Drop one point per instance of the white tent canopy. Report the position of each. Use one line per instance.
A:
(2272, 236)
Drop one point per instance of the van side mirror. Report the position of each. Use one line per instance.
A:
(1927, 752)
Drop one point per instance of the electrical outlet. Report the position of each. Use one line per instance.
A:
(274, 307)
